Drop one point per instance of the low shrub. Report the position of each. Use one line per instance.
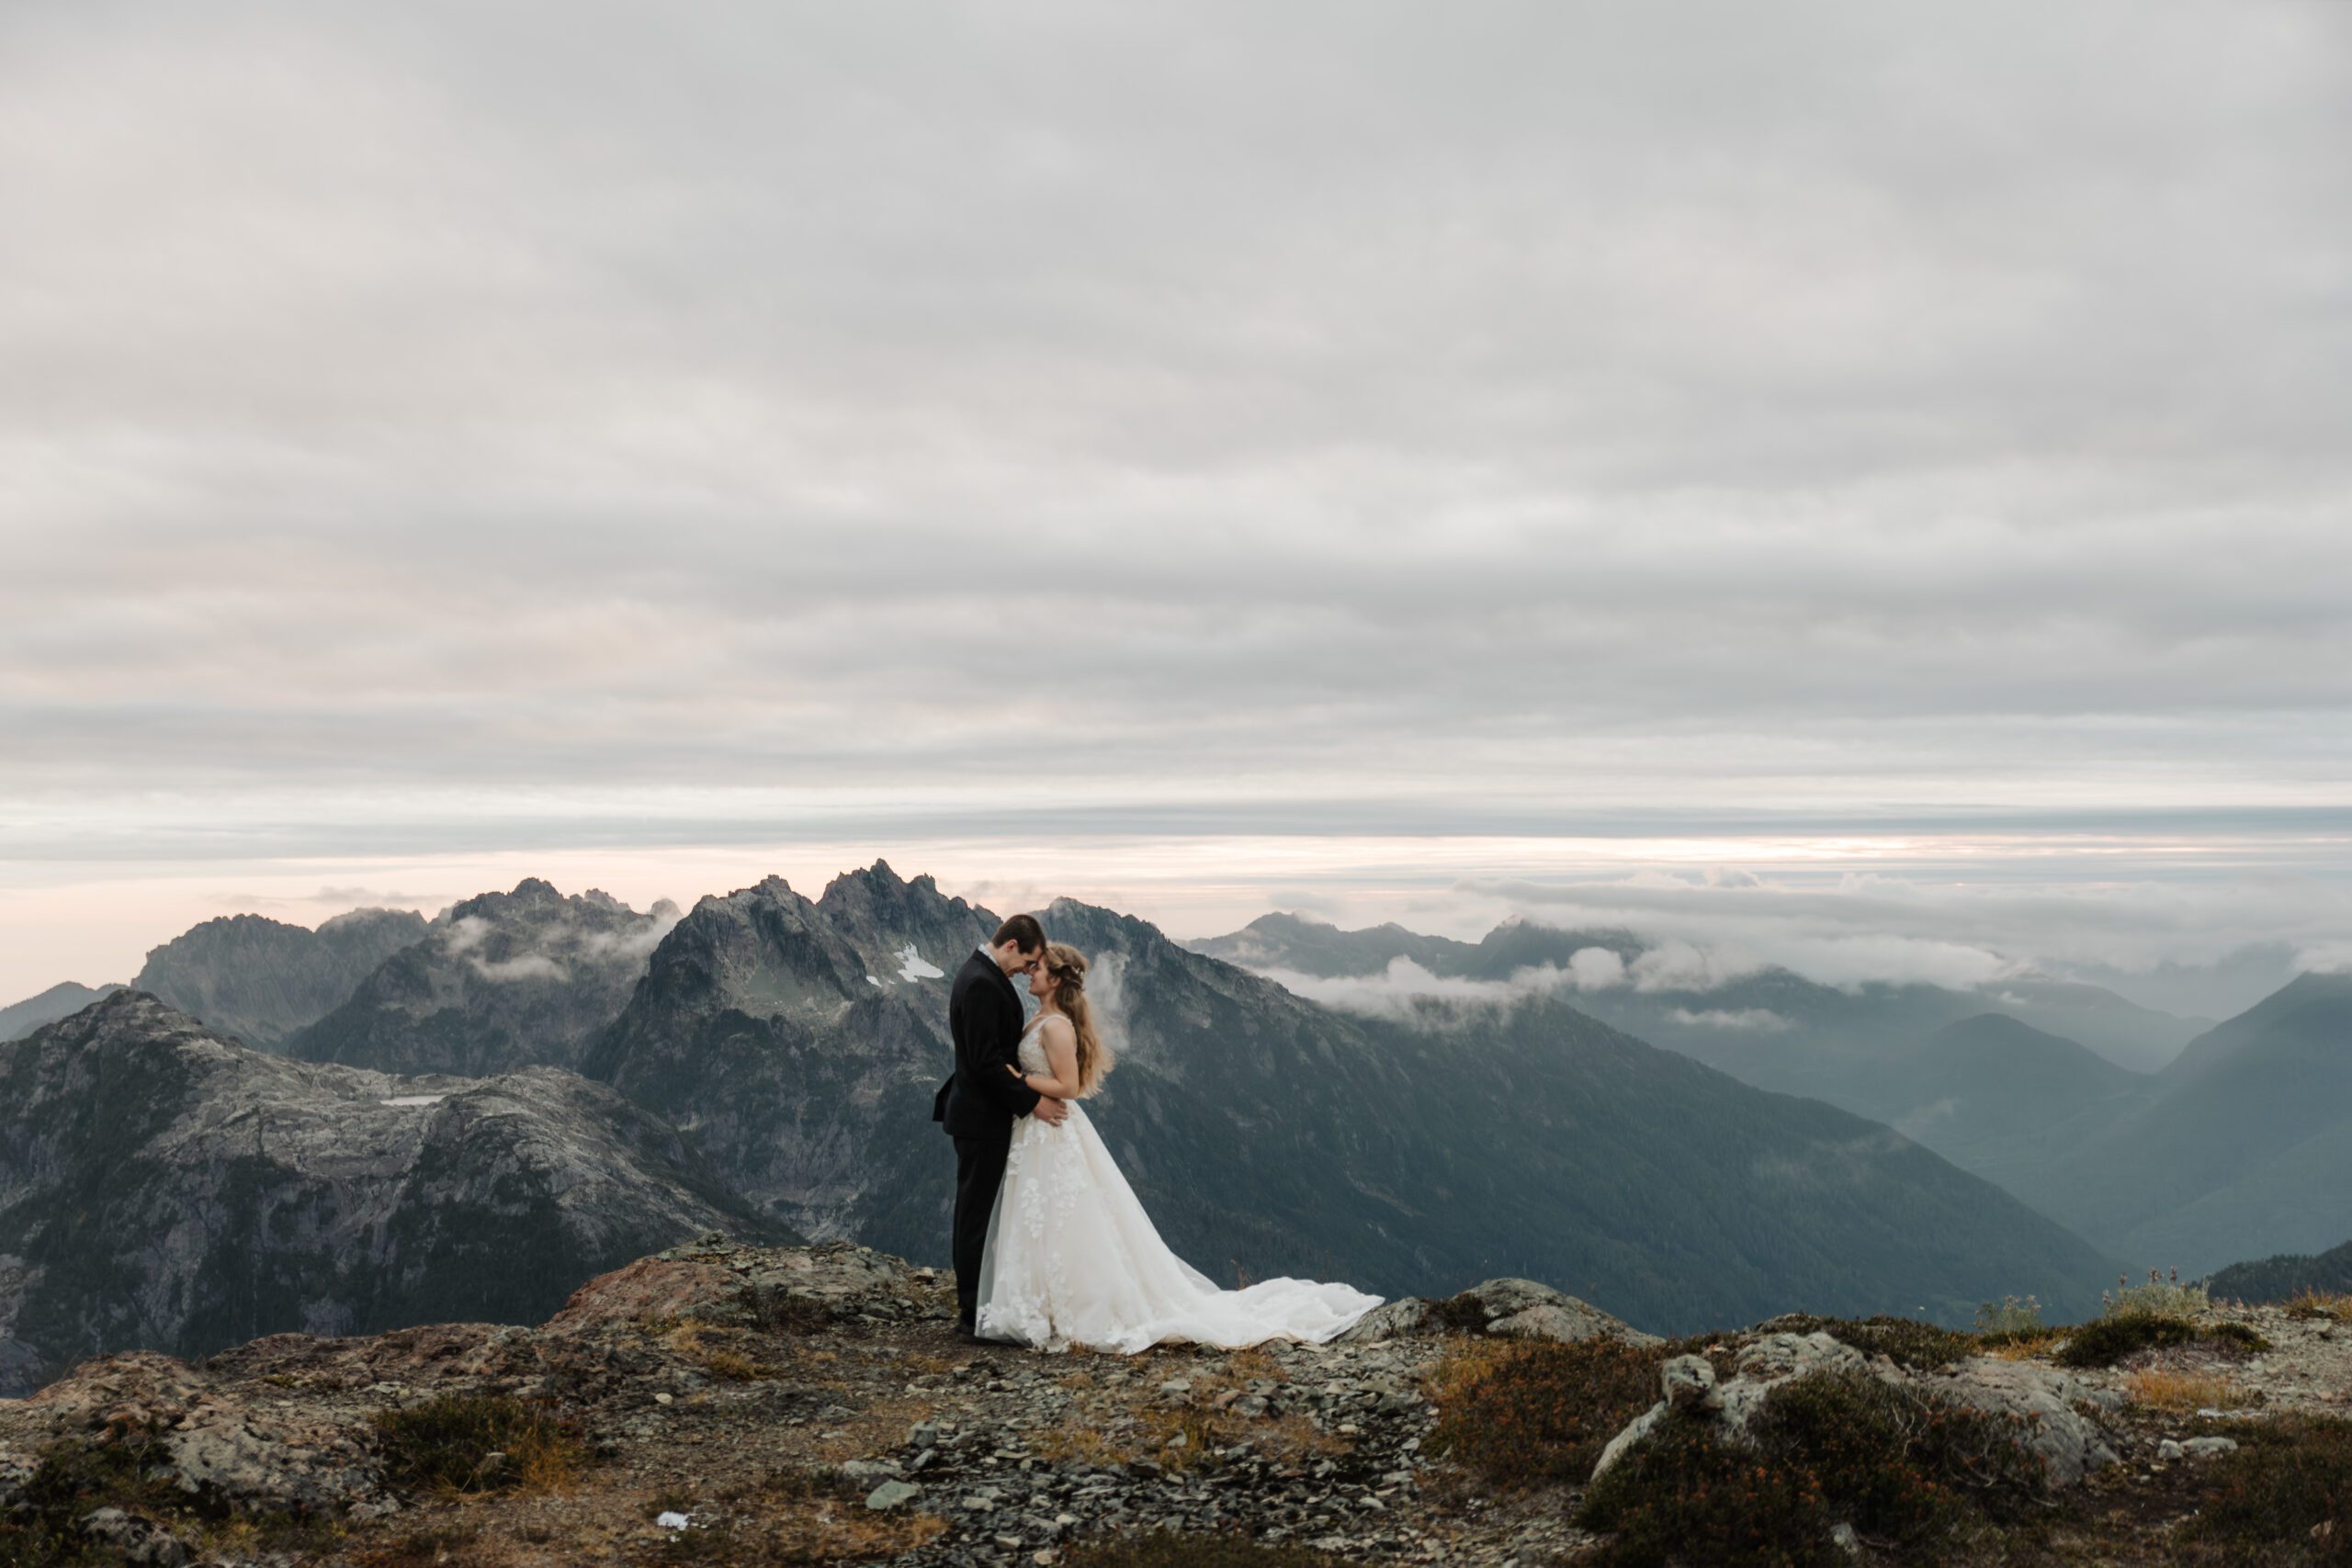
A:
(1169, 1550)
(72, 1478)
(1684, 1496)
(1464, 1313)
(446, 1444)
(2104, 1341)
(1532, 1415)
(2238, 1336)
(2010, 1315)
(2289, 1478)
(1898, 1463)
(1891, 1457)
(1922, 1347)
(2160, 1297)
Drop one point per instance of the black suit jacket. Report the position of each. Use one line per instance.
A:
(984, 1017)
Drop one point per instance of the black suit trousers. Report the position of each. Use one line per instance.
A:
(979, 1171)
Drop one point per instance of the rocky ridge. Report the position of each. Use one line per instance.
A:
(163, 1186)
(789, 1399)
(742, 1404)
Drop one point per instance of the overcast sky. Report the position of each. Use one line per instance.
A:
(1399, 461)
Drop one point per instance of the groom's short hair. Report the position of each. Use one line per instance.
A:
(1022, 930)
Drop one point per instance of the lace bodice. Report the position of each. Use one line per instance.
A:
(1032, 1050)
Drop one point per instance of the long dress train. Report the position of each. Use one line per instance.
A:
(1071, 1258)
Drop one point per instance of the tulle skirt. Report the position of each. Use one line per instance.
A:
(1071, 1258)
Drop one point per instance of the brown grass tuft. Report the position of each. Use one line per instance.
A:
(2186, 1391)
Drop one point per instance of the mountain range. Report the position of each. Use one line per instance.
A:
(2241, 1143)
(1768, 1026)
(800, 1041)
(163, 1186)
(1517, 1125)
(2240, 1148)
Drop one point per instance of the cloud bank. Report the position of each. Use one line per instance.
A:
(440, 431)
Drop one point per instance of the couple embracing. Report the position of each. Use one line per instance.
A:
(1051, 1248)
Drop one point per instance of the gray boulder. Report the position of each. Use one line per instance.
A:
(2050, 1404)
(1515, 1309)
(1687, 1384)
(2070, 1443)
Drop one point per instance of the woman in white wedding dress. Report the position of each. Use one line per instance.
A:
(1072, 1259)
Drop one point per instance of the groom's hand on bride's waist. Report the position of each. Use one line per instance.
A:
(1050, 1110)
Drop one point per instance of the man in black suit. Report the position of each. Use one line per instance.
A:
(979, 1103)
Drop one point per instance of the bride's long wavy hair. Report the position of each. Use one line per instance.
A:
(1067, 967)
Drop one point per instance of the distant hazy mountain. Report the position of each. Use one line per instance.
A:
(261, 979)
(164, 1187)
(2286, 1276)
(800, 1042)
(58, 1001)
(1303, 946)
(1997, 1096)
(1772, 1028)
(501, 982)
(2244, 1146)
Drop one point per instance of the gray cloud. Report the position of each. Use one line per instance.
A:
(508, 425)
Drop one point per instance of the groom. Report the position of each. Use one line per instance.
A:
(979, 1104)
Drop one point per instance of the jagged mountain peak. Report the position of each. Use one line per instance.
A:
(368, 916)
(531, 893)
(501, 981)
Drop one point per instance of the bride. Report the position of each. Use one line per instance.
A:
(1072, 1259)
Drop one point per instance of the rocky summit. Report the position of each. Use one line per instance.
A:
(164, 1187)
(501, 982)
(721, 1402)
(770, 1404)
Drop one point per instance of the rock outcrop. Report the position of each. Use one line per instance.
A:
(164, 1188)
(258, 980)
(795, 1404)
(501, 982)
(1509, 1309)
(2049, 1404)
